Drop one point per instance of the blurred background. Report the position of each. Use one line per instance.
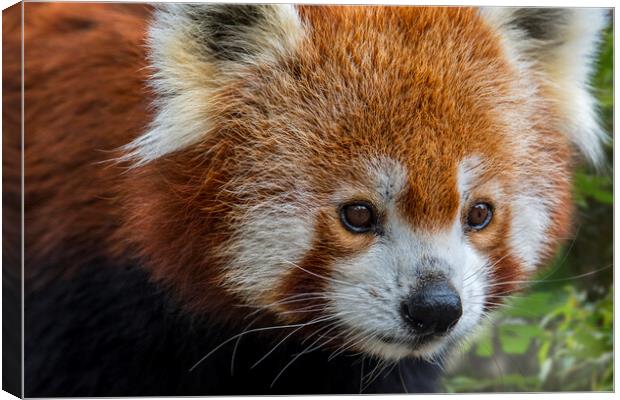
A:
(557, 336)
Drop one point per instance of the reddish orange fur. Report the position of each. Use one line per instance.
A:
(84, 97)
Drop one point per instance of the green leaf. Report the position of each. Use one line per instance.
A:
(515, 339)
(484, 346)
(545, 368)
(597, 187)
(532, 306)
(543, 352)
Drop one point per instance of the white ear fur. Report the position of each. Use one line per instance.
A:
(194, 49)
(560, 44)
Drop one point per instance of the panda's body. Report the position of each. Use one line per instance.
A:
(143, 346)
(361, 184)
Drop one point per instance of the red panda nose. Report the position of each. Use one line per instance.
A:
(433, 309)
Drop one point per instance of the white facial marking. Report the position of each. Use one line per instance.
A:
(271, 236)
(468, 170)
(368, 290)
(530, 222)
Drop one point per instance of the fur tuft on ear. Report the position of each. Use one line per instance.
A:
(559, 44)
(194, 49)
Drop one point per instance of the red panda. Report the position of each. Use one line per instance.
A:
(229, 199)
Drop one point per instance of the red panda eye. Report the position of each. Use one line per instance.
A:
(479, 216)
(357, 217)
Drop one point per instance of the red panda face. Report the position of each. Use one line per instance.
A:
(380, 177)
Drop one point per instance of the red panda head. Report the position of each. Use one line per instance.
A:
(381, 176)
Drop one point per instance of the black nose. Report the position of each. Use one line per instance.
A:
(433, 309)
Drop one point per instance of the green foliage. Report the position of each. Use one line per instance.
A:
(596, 187)
(558, 336)
(564, 340)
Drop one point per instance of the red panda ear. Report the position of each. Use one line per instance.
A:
(237, 33)
(194, 49)
(560, 45)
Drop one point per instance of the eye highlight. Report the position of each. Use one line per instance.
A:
(479, 216)
(358, 217)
